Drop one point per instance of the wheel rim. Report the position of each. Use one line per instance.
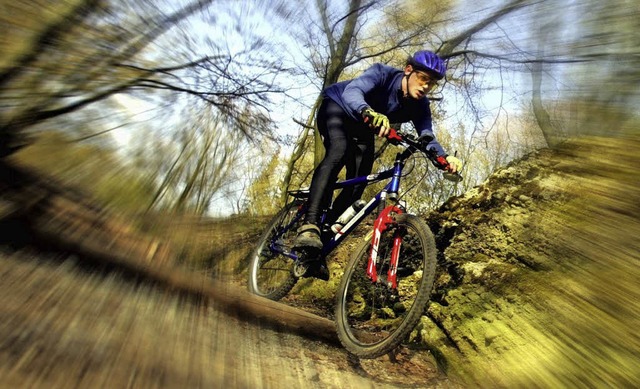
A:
(271, 271)
(374, 312)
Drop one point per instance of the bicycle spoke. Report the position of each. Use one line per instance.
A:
(270, 271)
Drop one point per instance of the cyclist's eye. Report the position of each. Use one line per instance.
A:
(425, 79)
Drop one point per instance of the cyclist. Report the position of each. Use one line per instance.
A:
(380, 96)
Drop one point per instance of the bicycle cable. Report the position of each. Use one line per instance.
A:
(415, 184)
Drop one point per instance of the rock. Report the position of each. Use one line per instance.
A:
(488, 317)
(524, 199)
(490, 335)
(499, 196)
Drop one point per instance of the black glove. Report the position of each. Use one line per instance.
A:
(424, 141)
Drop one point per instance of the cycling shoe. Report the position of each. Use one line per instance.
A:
(308, 237)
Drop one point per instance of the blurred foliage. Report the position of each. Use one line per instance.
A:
(217, 246)
(263, 194)
(87, 68)
(82, 52)
(191, 164)
(417, 24)
(203, 244)
(97, 171)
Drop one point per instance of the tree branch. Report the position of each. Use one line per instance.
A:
(450, 45)
(513, 60)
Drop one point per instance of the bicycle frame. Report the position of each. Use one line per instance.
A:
(383, 220)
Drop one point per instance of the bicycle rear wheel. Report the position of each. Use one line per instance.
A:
(374, 318)
(270, 273)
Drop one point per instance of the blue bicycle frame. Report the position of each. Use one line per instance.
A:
(390, 190)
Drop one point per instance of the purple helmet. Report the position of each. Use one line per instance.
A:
(428, 61)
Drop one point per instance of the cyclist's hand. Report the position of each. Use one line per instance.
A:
(448, 163)
(377, 121)
(455, 165)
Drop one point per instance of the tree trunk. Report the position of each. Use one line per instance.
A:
(298, 152)
(542, 117)
(339, 49)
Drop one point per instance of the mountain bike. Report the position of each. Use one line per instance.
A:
(387, 281)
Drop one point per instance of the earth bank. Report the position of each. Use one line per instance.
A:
(538, 277)
(538, 270)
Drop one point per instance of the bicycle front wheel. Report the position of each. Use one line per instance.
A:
(270, 274)
(373, 318)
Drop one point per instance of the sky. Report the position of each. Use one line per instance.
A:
(300, 93)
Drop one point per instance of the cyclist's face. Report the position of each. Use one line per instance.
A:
(419, 83)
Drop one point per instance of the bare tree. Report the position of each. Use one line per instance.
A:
(193, 165)
(566, 44)
(91, 50)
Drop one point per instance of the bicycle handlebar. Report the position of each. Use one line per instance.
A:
(440, 161)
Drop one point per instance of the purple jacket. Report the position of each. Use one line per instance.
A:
(379, 87)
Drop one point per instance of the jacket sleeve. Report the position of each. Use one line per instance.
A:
(354, 93)
(424, 127)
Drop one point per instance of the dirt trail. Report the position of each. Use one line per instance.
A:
(129, 315)
(64, 325)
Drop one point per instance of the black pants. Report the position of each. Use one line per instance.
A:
(347, 143)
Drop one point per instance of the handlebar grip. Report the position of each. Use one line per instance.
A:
(439, 161)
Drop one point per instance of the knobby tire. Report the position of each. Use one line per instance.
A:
(371, 318)
(270, 273)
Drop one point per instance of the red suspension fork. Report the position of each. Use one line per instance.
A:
(381, 224)
(393, 266)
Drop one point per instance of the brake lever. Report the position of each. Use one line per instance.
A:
(446, 174)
